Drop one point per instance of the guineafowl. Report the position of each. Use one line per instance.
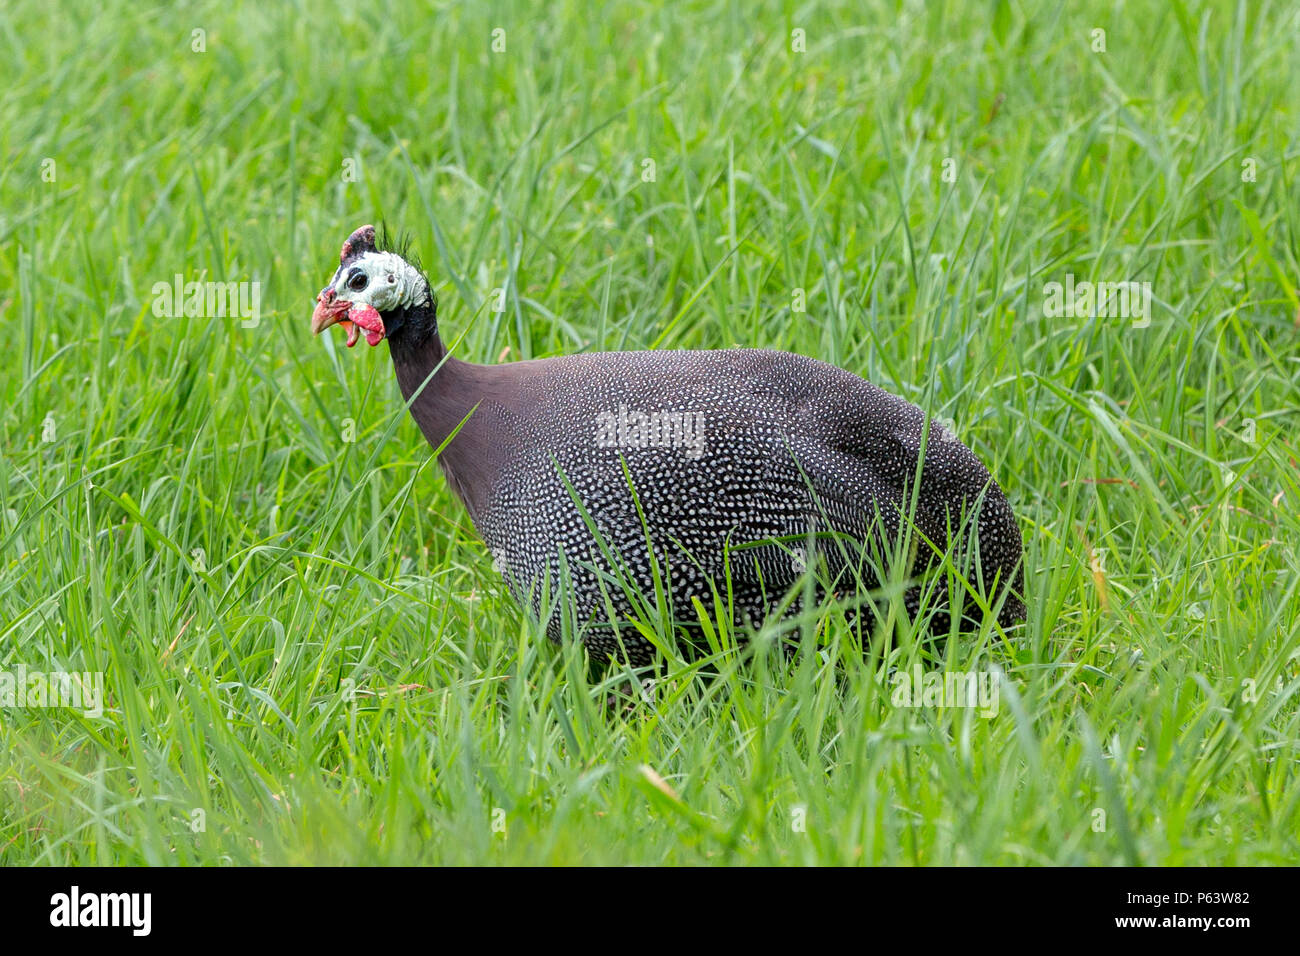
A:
(719, 473)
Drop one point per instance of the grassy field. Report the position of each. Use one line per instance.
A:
(306, 655)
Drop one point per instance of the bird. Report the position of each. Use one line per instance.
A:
(716, 475)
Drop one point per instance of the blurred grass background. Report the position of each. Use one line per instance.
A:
(307, 656)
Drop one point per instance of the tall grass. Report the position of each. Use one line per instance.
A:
(307, 655)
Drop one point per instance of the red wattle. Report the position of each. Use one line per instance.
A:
(369, 320)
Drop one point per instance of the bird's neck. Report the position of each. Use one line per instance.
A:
(448, 396)
(423, 368)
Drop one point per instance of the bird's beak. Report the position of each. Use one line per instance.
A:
(329, 311)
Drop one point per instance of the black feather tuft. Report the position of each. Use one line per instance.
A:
(403, 245)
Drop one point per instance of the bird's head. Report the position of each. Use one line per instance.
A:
(376, 292)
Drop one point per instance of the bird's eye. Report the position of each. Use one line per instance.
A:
(357, 281)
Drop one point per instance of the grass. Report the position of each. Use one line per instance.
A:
(306, 653)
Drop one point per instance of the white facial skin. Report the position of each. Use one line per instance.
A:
(390, 282)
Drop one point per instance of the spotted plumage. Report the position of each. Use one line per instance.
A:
(744, 463)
